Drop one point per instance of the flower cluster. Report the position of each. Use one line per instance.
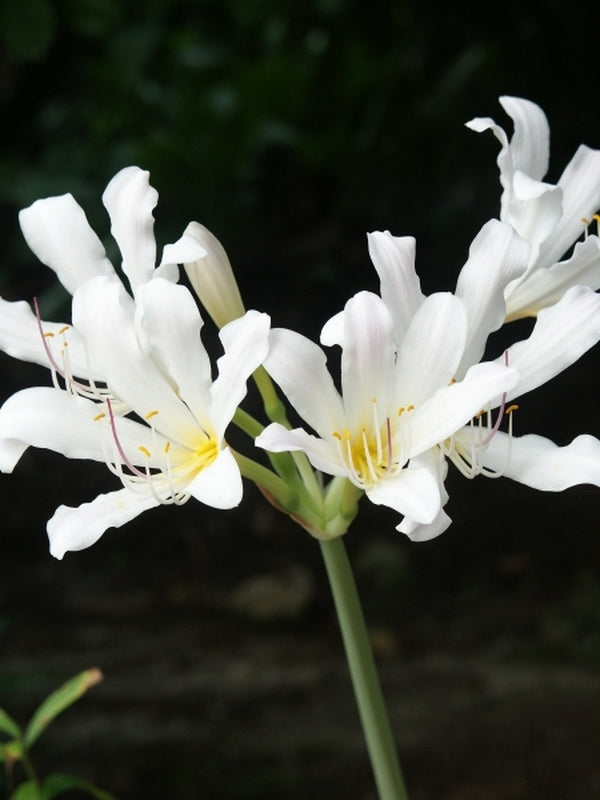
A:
(132, 384)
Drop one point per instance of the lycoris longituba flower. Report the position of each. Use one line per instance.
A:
(432, 346)
(155, 367)
(399, 399)
(551, 217)
(561, 334)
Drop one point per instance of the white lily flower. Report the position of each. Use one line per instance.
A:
(57, 231)
(561, 335)
(551, 217)
(151, 357)
(399, 399)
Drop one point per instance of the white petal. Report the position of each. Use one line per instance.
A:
(299, 367)
(104, 314)
(422, 532)
(321, 453)
(453, 406)
(545, 287)
(534, 210)
(212, 277)
(332, 332)
(496, 257)
(246, 343)
(67, 424)
(561, 335)
(580, 186)
(50, 418)
(541, 464)
(529, 148)
(530, 143)
(418, 532)
(169, 326)
(73, 529)
(368, 358)
(21, 338)
(394, 259)
(130, 200)
(57, 231)
(184, 250)
(432, 349)
(413, 492)
(220, 484)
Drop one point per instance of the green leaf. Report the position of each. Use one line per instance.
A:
(58, 701)
(29, 790)
(55, 784)
(8, 725)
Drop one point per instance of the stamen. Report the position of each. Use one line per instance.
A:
(89, 391)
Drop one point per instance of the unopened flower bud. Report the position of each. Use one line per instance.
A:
(212, 278)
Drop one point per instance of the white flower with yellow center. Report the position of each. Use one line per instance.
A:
(172, 446)
(551, 217)
(561, 335)
(399, 399)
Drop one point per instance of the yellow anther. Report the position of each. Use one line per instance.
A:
(401, 411)
(337, 435)
(373, 399)
(167, 447)
(99, 416)
(452, 381)
(512, 408)
(144, 450)
(596, 217)
(150, 414)
(585, 221)
(410, 408)
(49, 335)
(64, 328)
(480, 414)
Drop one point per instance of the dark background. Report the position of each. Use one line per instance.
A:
(290, 130)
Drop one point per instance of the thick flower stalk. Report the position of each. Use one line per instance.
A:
(551, 217)
(171, 446)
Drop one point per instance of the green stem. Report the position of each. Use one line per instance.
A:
(275, 411)
(367, 689)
